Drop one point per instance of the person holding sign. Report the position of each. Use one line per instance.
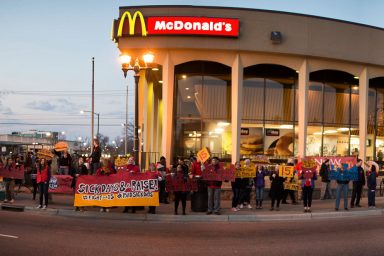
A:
(308, 177)
(105, 170)
(261, 172)
(43, 177)
(131, 168)
(181, 195)
(236, 188)
(214, 188)
(326, 182)
(277, 189)
(342, 187)
(153, 170)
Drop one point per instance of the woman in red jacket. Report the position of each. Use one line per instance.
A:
(42, 179)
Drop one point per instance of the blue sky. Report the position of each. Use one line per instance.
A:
(46, 49)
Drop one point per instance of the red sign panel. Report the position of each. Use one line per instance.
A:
(193, 26)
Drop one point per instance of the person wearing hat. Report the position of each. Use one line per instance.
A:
(326, 182)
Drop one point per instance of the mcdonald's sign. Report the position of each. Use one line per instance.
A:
(127, 25)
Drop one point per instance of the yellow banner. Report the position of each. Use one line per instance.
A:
(110, 200)
(246, 172)
(203, 155)
(286, 171)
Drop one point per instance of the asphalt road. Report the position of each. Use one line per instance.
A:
(54, 235)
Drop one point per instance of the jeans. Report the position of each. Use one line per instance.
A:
(307, 196)
(259, 193)
(214, 199)
(326, 188)
(342, 188)
(371, 197)
(356, 193)
(236, 197)
(43, 189)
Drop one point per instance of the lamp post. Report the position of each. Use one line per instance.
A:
(98, 120)
(126, 66)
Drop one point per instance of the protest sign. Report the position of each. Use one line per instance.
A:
(291, 186)
(60, 184)
(286, 171)
(177, 182)
(222, 174)
(246, 172)
(13, 173)
(122, 189)
(203, 155)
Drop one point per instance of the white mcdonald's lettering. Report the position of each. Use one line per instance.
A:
(132, 21)
(196, 25)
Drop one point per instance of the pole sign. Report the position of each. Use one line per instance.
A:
(127, 25)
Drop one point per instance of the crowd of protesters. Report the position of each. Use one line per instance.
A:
(38, 173)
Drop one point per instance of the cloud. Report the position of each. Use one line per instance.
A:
(4, 110)
(60, 105)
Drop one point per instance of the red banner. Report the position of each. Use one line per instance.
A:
(14, 173)
(60, 184)
(335, 160)
(222, 174)
(178, 183)
(121, 189)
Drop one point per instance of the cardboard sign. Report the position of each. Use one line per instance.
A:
(222, 174)
(178, 183)
(292, 186)
(203, 155)
(60, 184)
(122, 189)
(246, 172)
(286, 171)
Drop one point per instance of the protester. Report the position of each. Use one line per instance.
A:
(182, 194)
(290, 192)
(9, 182)
(43, 177)
(342, 187)
(326, 182)
(105, 170)
(236, 187)
(64, 162)
(261, 172)
(131, 168)
(308, 178)
(163, 171)
(95, 156)
(34, 177)
(277, 189)
(246, 188)
(81, 170)
(214, 188)
(371, 183)
(358, 185)
(157, 175)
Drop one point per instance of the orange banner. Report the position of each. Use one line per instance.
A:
(122, 189)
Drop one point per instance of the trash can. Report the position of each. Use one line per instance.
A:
(199, 198)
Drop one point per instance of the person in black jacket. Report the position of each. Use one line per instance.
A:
(358, 185)
(371, 183)
(326, 186)
(81, 170)
(277, 189)
(95, 157)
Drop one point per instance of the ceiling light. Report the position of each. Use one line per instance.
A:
(184, 76)
(355, 87)
(343, 129)
(187, 88)
(219, 130)
(223, 124)
(286, 126)
(188, 97)
(161, 81)
(356, 77)
(155, 69)
(317, 133)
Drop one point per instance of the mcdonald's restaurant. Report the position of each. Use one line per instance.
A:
(245, 82)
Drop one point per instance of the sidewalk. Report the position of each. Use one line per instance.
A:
(62, 205)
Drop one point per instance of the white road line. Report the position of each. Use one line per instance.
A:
(9, 236)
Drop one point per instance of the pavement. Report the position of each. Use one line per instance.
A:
(62, 205)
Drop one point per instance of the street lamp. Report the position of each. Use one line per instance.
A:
(98, 120)
(126, 65)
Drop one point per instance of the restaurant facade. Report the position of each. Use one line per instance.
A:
(246, 82)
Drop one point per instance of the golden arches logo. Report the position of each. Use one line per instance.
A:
(132, 21)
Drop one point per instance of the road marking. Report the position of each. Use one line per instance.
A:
(9, 236)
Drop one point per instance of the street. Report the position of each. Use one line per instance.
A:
(31, 234)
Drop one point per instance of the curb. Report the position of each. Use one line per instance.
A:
(203, 218)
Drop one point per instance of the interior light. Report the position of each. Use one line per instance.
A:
(219, 130)
(187, 88)
(330, 131)
(161, 81)
(343, 129)
(286, 126)
(355, 87)
(155, 69)
(223, 124)
(317, 133)
(184, 76)
(356, 77)
(188, 97)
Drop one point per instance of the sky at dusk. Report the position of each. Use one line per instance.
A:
(46, 50)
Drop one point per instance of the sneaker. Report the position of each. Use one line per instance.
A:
(39, 206)
(5, 201)
(44, 207)
(12, 201)
(101, 210)
(249, 206)
(234, 209)
(358, 205)
(107, 210)
(309, 210)
(237, 208)
(241, 206)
